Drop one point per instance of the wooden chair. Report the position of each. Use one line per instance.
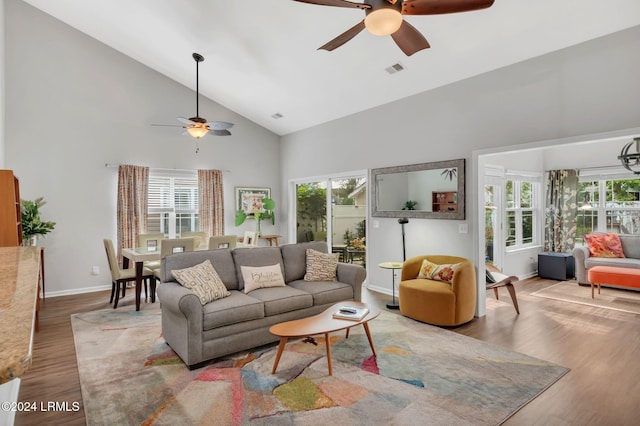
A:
(222, 241)
(501, 280)
(122, 276)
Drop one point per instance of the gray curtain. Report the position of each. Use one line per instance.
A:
(561, 211)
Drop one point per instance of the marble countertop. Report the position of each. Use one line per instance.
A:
(19, 269)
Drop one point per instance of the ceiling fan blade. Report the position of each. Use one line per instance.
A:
(437, 7)
(344, 37)
(219, 125)
(409, 40)
(167, 125)
(336, 3)
(219, 132)
(185, 120)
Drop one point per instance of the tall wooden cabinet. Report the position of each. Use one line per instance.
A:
(10, 225)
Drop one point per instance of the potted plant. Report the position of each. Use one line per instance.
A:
(410, 205)
(32, 225)
(266, 212)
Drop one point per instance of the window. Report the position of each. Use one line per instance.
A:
(173, 202)
(618, 212)
(520, 213)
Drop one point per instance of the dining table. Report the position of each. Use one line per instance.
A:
(139, 255)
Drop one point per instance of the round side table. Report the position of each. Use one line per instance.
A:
(393, 266)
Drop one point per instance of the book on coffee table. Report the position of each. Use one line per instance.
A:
(351, 313)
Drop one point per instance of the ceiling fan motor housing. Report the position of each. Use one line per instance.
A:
(383, 4)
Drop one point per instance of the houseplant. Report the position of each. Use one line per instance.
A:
(267, 212)
(32, 225)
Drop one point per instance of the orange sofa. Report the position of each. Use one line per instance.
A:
(437, 302)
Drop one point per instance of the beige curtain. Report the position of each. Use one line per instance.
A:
(133, 183)
(211, 200)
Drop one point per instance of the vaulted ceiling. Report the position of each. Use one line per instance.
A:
(261, 56)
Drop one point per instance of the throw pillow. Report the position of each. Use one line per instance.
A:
(604, 245)
(256, 277)
(203, 280)
(321, 266)
(433, 271)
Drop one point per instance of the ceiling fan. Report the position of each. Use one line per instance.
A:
(198, 126)
(384, 17)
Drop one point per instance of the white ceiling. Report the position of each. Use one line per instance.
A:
(261, 57)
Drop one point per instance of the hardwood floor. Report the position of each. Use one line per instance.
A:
(601, 346)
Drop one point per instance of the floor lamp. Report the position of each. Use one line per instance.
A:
(394, 304)
(402, 221)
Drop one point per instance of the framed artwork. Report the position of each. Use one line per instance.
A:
(250, 199)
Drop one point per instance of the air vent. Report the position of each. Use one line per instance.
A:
(395, 68)
(277, 115)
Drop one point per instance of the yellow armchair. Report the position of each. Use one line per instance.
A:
(438, 302)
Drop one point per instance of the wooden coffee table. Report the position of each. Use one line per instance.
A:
(322, 323)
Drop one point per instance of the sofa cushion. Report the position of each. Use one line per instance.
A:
(236, 308)
(259, 256)
(256, 277)
(433, 271)
(604, 245)
(321, 266)
(630, 245)
(325, 292)
(612, 261)
(203, 280)
(278, 300)
(295, 258)
(221, 260)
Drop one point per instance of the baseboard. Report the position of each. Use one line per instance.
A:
(377, 289)
(77, 291)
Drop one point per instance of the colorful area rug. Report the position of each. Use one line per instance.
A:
(609, 298)
(422, 375)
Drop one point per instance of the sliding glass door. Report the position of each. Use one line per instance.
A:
(333, 209)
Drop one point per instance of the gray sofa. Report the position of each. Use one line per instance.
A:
(241, 321)
(583, 261)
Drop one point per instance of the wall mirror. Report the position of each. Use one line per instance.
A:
(427, 190)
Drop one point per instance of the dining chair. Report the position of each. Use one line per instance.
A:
(222, 241)
(201, 238)
(122, 276)
(171, 246)
(151, 240)
(250, 239)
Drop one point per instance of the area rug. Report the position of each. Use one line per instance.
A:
(421, 375)
(609, 298)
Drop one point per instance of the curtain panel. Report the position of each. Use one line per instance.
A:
(133, 182)
(211, 201)
(561, 211)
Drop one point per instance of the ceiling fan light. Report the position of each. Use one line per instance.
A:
(197, 131)
(383, 21)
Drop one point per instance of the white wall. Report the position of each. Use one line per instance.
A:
(74, 104)
(589, 88)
